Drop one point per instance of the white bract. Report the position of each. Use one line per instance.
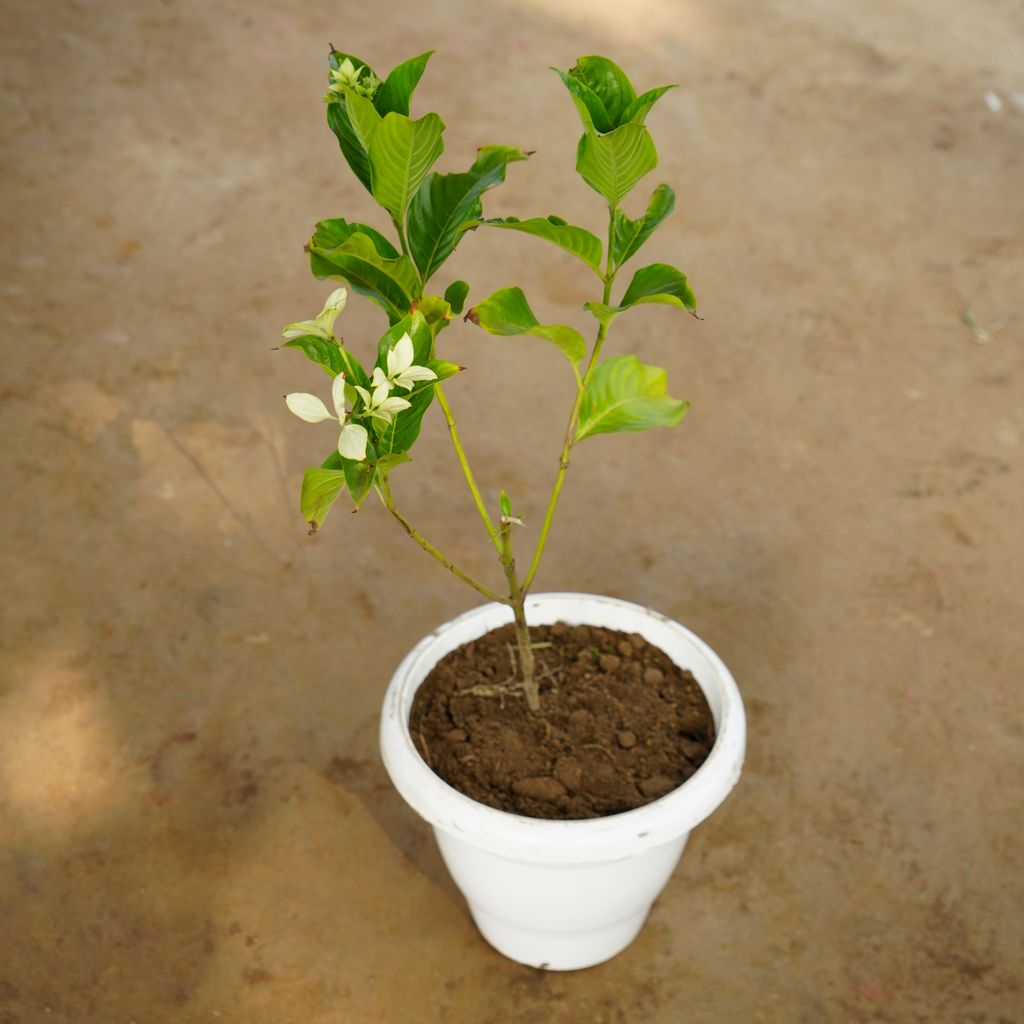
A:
(401, 373)
(352, 440)
(378, 405)
(323, 325)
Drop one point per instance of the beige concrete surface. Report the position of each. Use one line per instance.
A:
(194, 826)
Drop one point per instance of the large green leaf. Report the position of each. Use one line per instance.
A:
(331, 357)
(580, 242)
(609, 83)
(612, 164)
(445, 203)
(394, 95)
(631, 234)
(588, 104)
(625, 394)
(390, 281)
(658, 283)
(402, 151)
(507, 313)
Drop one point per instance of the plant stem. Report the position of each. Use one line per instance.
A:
(453, 432)
(570, 430)
(384, 490)
(518, 600)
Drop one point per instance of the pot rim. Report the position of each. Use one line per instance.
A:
(587, 840)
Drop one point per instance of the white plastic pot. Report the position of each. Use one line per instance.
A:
(563, 895)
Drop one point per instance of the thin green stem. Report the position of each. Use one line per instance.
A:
(460, 452)
(384, 490)
(570, 430)
(517, 595)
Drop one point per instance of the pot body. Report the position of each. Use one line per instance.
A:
(563, 895)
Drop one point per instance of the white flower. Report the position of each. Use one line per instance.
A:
(401, 373)
(352, 440)
(346, 73)
(323, 325)
(378, 405)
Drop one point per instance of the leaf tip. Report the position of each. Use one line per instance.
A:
(314, 528)
(472, 316)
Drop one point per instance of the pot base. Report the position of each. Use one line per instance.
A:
(553, 952)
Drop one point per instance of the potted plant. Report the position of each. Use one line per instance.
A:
(562, 746)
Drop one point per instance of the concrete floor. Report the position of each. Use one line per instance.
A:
(195, 825)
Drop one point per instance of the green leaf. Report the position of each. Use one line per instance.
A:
(612, 164)
(507, 313)
(437, 311)
(625, 394)
(505, 504)
(660, 283)
(340, 122)
(394, 95)
(363, 117)
(401, 153)
(388, 462)
(588, 104)
(609, 83)
(638, 110)
(332, 233)
(416, 326)
(358, 479)
(390, 282)
(631, 234)
(333, 358)
(580, 242)
(455, 295)
(445, 203)
(657, 283)
(443, 368)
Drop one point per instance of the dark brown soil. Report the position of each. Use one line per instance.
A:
(619, 725)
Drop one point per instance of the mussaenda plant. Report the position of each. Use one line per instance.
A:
(380, 413)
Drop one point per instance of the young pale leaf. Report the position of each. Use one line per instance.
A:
(390, 282)
(609, 82)
(320, 488)
(612, 164)
(631, 234)
(505, 504)
(333, 358)
(588, 104)
(580, 242)
(507, 313)
(625, 394)
(638, 110)
(386, 463)
(455, 295)
(402, 151)
(446, 202)
(394, 95)
(443, 368)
